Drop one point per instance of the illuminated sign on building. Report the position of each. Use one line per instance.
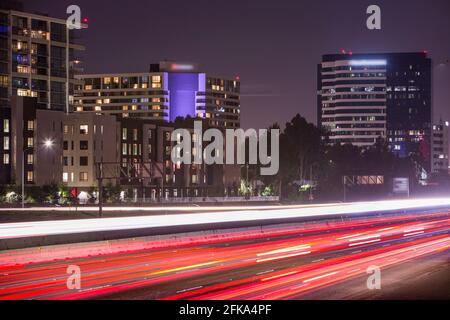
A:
(368, 62)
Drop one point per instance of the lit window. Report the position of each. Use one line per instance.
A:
(30, 125)
(30, 142)
(65, 177)
(23, 93)
(30, 159)
(83, 176)
(124, 134)
(84, 129)
(124, 149)
(66, 129)
(6, 125)
(30, 176)
(23, 69)
(6, 158)
(98, 108)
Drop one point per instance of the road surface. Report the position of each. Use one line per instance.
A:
(313, 261)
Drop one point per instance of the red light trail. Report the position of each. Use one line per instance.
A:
(301, 258)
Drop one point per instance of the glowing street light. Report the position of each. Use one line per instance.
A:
(48, 144)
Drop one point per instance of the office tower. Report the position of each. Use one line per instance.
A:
(364, 97)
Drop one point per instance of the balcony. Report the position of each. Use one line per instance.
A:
(23, 32)
(40, 35)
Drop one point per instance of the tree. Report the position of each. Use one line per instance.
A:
(301, 149)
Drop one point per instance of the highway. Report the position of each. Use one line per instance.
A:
(204, 216)
(291, 261)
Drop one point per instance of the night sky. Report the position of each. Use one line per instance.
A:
(274, 46)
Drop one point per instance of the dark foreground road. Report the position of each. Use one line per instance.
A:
(314, 261)
(425, 278)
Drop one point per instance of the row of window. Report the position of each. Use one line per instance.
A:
(70, 177)
(83, 161)
(84, 145)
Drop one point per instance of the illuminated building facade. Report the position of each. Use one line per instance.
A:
(168, 91)
(439, 147)
(38, 59)
(364, 97)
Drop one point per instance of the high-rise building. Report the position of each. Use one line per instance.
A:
(38, 59)
(364, 97)
(168, 91)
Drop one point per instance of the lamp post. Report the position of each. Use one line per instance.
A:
(48, 144)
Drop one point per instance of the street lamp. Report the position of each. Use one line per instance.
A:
(48, 144)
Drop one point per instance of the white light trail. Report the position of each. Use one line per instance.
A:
(321, 277)
(46, 228)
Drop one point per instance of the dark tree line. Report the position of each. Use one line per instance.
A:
(306, 158)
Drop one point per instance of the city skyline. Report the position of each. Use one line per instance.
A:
(206, 150)
(275, 52)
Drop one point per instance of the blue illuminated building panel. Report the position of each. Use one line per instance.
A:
(183, 88)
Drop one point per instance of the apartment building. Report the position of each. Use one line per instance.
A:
(88, 139)
(149, 144)
(168, 91)
(38, 59)
(36, 143)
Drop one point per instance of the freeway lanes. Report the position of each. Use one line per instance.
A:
(284, 263)
(236, 217)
